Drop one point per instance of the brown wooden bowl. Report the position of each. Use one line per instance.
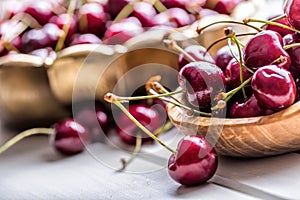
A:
(244, 137)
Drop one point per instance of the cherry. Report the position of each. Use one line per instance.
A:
(174, 17)
(122, 31)
(233, 74)
(69, 137)
(281, 31)
(223, 6)
(87, 38)
(292, 10)
(44, 53)
(62, 19)
(40, 38)
(257, 52)
(294, 52)
(273, 87)
(144, 12)
(42, 11)
(249, 108)
(115, 6)
(127, 130)
(184, 4)
(194, 163)
(92, 19)
(202, 81)
(198, 52)
(224, 55)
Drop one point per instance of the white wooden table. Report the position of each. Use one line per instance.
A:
(33, 170)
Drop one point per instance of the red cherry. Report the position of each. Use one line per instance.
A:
(62, 19)
(195, 161)
(115, 6)
(127, 130)
(258, 50)
(198, 52)
(87, 38)
(281, 31)
(223, 6)
(203, 81)
(273, 87)
(92, 19)
(294, 53)
(144, 12)
(69, 137)
(42, 11)
(292, 10)
(223, 56)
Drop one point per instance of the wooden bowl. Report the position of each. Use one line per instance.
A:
(244, 137)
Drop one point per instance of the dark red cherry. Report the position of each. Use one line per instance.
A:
(294, 52)
(41, 38)
(62, 19)
(122, 31)
(281, 31)
(195, 161)
(265, 48)
(42, 11)
(184, 4)
(174, 17)
(144, 12)
(292, 10)
(233, 74)
(224, 55)
(202, 81)
(127, 130)
(223, 6)
(198, 52)
(92, 19)
(70, 137)
(249, 108)
(297, 82)
(115, 6)
(273, 87)
(87, 38)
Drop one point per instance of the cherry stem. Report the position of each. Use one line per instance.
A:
(200, 30)
(286, 47)
(274, 19)
(167, 126)
(24, 134)
(109, 97)
(247, 20)
(136, 98)
(159, 6)
(66, 26)
(135, 152)
(125, 12)
(225, 38)
(231, 93)
(173, 45)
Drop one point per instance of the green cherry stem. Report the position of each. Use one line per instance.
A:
(125, 12)
(274, 19)
(24, 134)
(159, 6)
(137, 148)
(200, 30)
(109, 97)
(286, 47)
(247, 20)
(66, 26)
(231, 93)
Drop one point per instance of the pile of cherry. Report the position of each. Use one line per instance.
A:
(41, 27)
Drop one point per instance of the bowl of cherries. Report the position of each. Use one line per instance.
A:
(249, 92)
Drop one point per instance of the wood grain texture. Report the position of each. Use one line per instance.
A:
(245, 137)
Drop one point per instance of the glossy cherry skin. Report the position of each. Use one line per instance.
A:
(233, 74)
(144, 12)
(294, 52)
(184, 4)
(203, 81)
(120, 32)
(70, 137)
(249, 108)
(86, 38)
(127, 130)
(257, 52)
(174, 17)
(273, 87)
(292, 10)
(198, 52)
(281, 31)
(92, 19)
(195, 161)
(44, 53)
(41, 38)
(222, 6)
(223, 56)
(40, 10)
